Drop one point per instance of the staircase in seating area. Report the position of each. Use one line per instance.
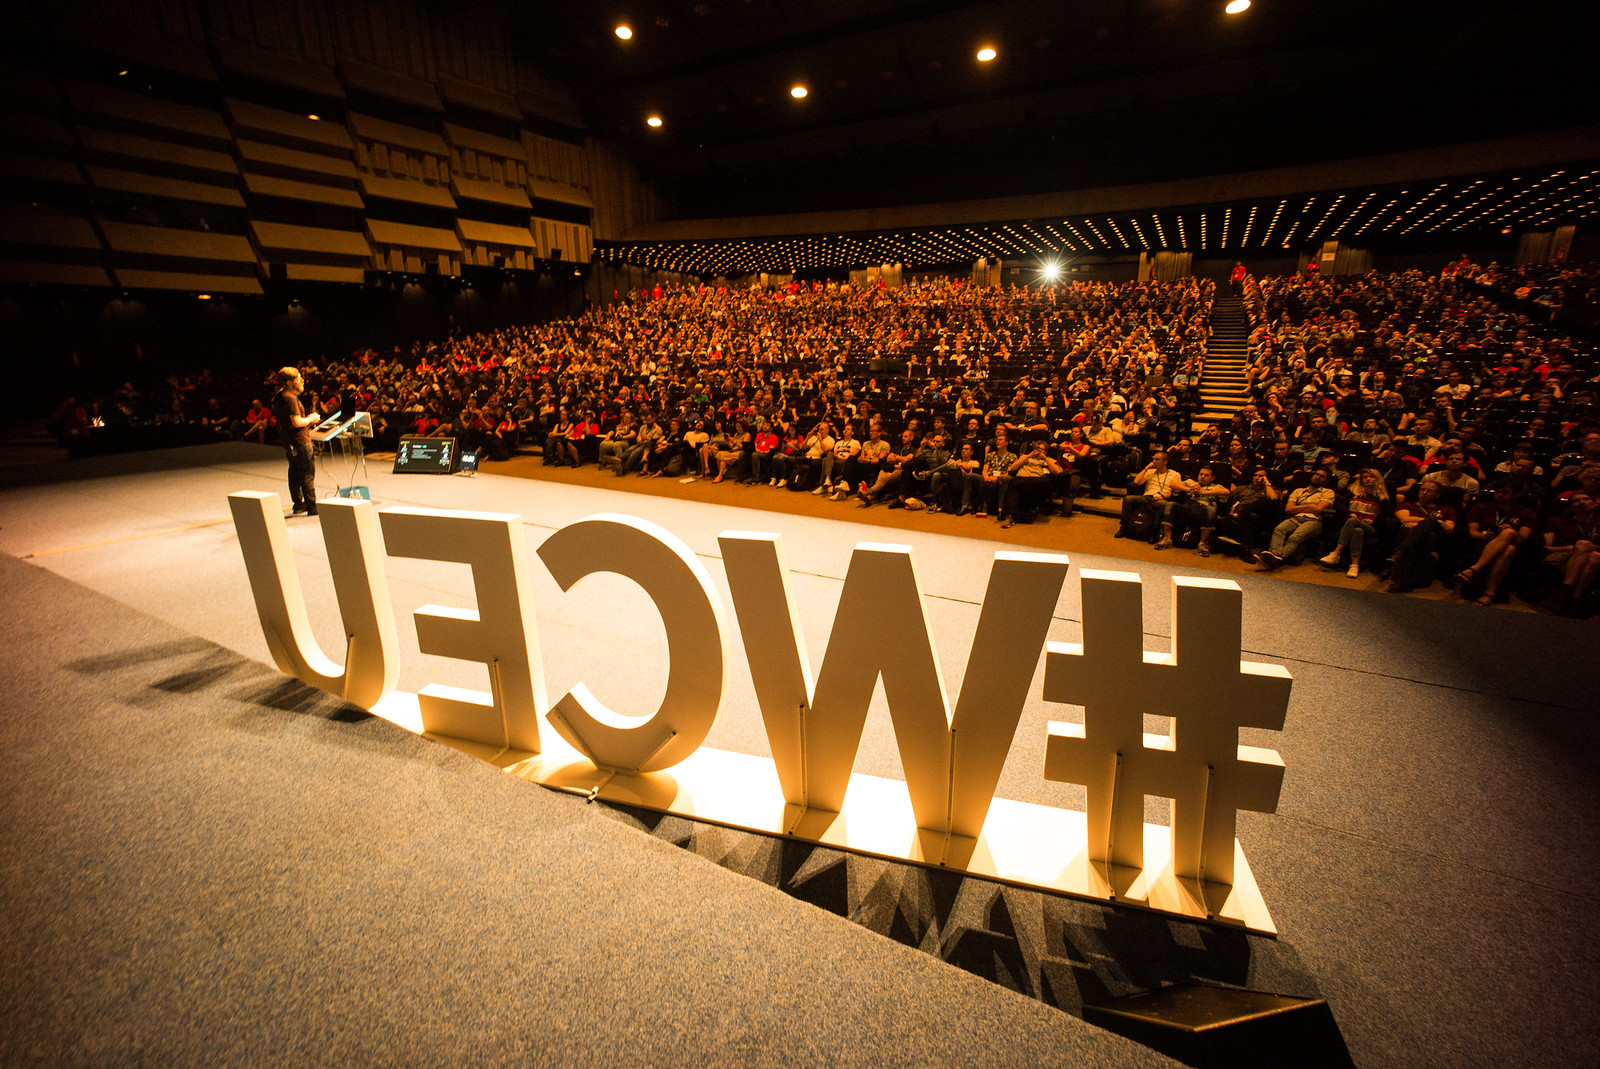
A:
(1222, 391)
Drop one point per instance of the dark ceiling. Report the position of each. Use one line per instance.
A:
(1081, 95)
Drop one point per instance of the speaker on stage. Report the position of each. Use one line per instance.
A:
(1208, 1025)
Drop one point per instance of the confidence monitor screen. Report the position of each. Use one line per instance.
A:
(425, 456)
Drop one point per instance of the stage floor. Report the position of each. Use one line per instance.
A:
(1432, 865)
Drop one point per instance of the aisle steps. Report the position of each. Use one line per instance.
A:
(1222, 386)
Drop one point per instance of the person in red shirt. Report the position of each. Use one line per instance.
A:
(258, 421)
(582, 429)
(767, 444)
(506, 435)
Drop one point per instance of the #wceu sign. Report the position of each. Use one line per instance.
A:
(945, 812)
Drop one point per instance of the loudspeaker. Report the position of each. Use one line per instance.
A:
(555, 254)
(278, 272)
(1206, 1025)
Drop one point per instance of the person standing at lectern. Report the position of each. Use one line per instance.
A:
(294, 426)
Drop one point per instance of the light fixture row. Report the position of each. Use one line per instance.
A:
(1461, 206)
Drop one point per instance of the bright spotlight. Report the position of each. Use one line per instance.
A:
(1051, 271)
(985, 55)
(1236, 7)
(654, 120)
(625, 32)
(798, 92)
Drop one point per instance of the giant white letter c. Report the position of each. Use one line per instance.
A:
(696, 643)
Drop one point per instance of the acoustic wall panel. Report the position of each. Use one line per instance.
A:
(144, 152)
(478, 97)
(139, 112)
(139, 278)
(162, 186)
(260, 185)
(397, 135)
(283, 237)
(40, 169)
(46, 244)
(44, 129)
(494, 234)
(559, 192)
(406, 190)
(384, 232)
(491, 192)
(384, 78)
(22, 224)
(288, 129)
(297, 183)
(496, 245)
(295, 163)
(168, 241)
(413, 249)
(464, 137)
(53, 274)
(325, 273)
(287, 61)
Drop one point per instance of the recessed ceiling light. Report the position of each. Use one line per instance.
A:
(654, 120)
(624, 32)
(798, 92)
(985, 54)
(314, 117)
(1236, 7)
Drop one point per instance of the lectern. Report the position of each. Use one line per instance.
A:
(339, 443)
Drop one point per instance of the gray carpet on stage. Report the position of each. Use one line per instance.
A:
(206, 864)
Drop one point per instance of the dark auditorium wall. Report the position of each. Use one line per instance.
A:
(259, 152)
(55, 341)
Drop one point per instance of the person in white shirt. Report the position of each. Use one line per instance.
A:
(696, 441)
(845, 447)
(1157, 483)
(818, 444)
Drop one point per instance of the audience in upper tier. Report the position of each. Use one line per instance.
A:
(1389, 421)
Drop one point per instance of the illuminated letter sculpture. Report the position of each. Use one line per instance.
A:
(696, 643)
(355, 556)
(501, 631)
(951, 762)
(945, 811)
(1206, 690)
